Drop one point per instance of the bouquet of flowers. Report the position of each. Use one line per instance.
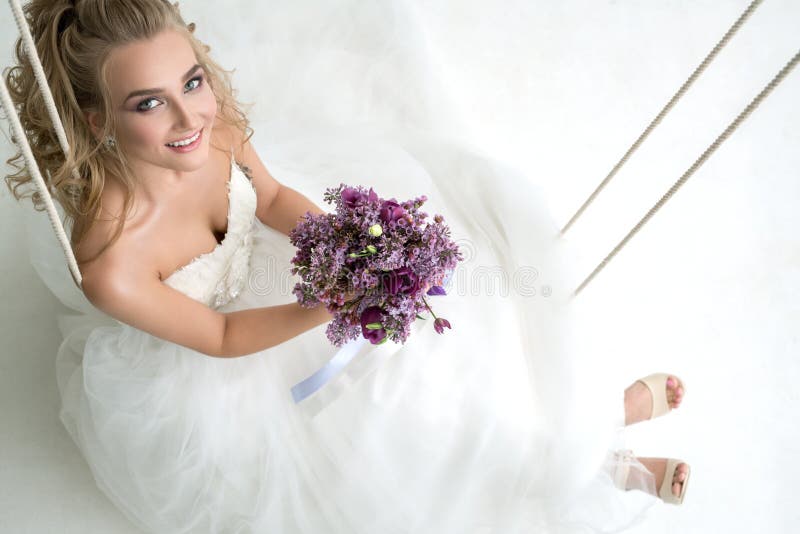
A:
(382, 251)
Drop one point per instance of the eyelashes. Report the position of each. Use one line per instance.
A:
(139, 107)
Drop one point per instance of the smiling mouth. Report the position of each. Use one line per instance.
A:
(186, 140)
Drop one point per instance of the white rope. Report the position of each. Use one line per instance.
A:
(22, 140)
(37, 177)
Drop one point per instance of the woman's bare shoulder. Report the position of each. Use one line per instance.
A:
(92, 259)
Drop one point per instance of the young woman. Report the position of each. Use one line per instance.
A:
(175, 382)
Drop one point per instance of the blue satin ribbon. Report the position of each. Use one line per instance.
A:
(306, 387)
(350, 365)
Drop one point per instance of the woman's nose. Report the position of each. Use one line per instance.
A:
(183, 116)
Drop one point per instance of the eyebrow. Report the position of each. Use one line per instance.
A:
(141, 92)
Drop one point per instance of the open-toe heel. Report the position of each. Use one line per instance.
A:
(657, 384)
(665, 492)
(622, 473)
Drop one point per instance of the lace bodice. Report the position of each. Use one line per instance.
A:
(217, 277)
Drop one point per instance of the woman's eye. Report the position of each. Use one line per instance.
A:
(140, 107)
(194, 82)
(197, 79)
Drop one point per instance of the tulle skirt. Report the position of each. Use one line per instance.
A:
(489, 427)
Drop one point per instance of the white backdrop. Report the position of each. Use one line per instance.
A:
(708, 289)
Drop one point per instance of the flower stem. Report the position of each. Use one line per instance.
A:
(429, 308)
(363, 253)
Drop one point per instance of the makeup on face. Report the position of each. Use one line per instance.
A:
(168, 108)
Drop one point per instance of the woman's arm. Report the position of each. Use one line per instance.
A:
(287, 208)
(254, 329)
(278, 206)
(128, 293)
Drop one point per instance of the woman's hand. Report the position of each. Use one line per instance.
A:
(351, 297)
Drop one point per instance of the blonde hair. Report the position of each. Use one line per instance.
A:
(73, 40)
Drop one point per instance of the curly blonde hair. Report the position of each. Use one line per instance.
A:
(74, 39)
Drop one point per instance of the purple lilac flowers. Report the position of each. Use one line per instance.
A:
(384, 251)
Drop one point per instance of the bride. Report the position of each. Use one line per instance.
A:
(175, 375)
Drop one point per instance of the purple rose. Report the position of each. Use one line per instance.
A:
(391, 211)
(352, 196)
(439, 324)
(402, 280)
(372, 315)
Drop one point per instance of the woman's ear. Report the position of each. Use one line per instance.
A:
(95, 122)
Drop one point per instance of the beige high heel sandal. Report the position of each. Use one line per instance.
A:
(657, 384)
(665, 491)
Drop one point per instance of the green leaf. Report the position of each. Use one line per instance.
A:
(382, 341)
(421, 317)
(374, 326)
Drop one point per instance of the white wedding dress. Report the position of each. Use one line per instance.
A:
(487, 428)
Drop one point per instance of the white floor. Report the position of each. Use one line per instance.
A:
(708, 289)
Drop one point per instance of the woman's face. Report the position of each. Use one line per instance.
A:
(160, 95)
